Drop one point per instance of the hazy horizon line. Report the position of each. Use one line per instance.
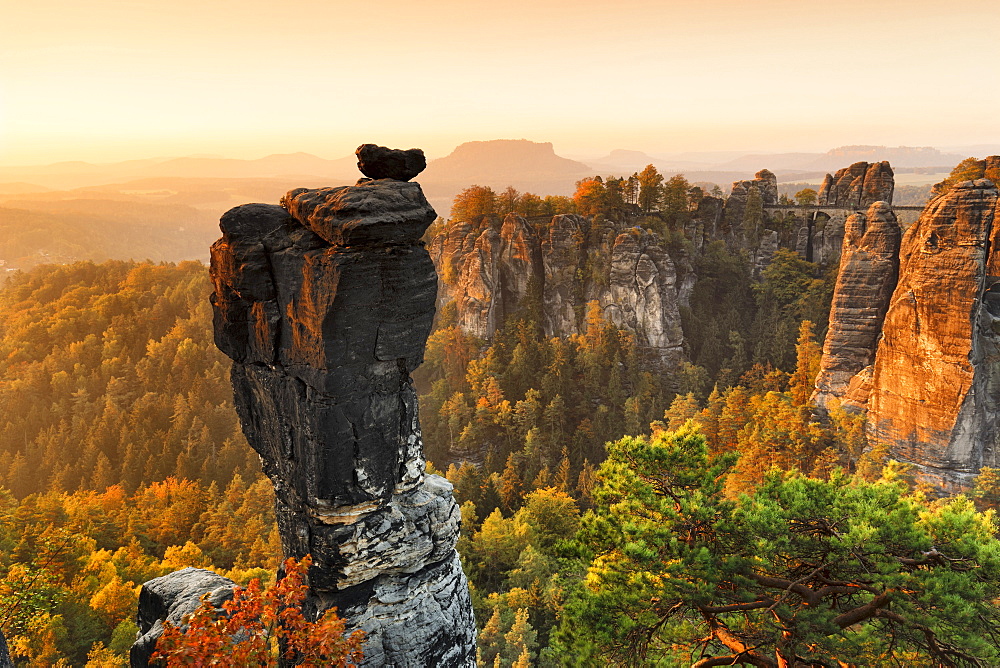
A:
(572, 153)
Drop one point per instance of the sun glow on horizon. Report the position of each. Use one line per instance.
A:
(111, 81)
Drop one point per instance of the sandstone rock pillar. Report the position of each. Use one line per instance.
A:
(324, 305)
(935, 399)
(869, 265)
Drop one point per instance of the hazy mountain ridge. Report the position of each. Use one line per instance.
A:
(38, 231)
(209, 186)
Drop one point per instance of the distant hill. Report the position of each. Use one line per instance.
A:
(40, 232)
(622, 162)
(843, 156)
(528, 166)
(501, 160)
(20, 188)
(68, 175)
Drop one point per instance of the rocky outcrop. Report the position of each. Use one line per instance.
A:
(869, 266)
(858, 186)
(758, 192)
(764, 181)
(935, 397)
(643, 295)
(325, 306)
(169, 599)
(490, 275)
(821, 239)
(379, 162)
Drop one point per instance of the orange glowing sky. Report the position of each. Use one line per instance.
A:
(117, 79)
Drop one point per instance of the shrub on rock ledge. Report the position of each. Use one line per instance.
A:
(257, 626)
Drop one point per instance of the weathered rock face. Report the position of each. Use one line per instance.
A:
(642, 294)
(869, 267)
(821, 238)
(858, 186)
(765, 184)
(935, 397)
(489, 275)
(169, 599)
(764, 181)
(325, 306)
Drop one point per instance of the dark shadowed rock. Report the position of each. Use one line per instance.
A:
(325, 307)
(383, 212)
(5, 661)
(379, 162)
(169, 599)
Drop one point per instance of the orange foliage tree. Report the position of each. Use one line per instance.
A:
(257, 626)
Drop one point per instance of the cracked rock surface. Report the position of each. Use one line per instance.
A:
(869, 266)
(490, 272)
(935, 396)
(914, 333)
(325, 304)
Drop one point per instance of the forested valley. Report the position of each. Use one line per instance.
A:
(611, 513)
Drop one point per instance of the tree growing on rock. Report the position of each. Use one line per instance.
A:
(806, 197)
(257, 626)
(650, 188)
(801, 572)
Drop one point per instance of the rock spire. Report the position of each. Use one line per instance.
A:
(935, 398)
(925, 362)
(324, 305)
(869, 264)
(858, 186)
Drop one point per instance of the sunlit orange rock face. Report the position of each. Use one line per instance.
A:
(869, 264)
(935, 386)
(859, 185)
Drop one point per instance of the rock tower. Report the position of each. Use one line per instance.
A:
(324, 305)
(914, 334)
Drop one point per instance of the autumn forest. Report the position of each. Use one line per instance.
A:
(612, 512)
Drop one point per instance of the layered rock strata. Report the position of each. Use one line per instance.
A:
(935, 397)
(869, 265)
(324, 305)
(491, 274)
(858, 186)
(821, 238)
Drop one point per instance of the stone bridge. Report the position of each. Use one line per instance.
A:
(818, 212)
(821, 227)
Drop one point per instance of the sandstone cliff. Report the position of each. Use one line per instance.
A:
(491, 269)
(490, 274)
(925, 361)
(868, 270)
(936, 380)
(858, 186)
(324, 306)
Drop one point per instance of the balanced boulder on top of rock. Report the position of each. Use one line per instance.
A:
(379, 162)
(325, 306)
